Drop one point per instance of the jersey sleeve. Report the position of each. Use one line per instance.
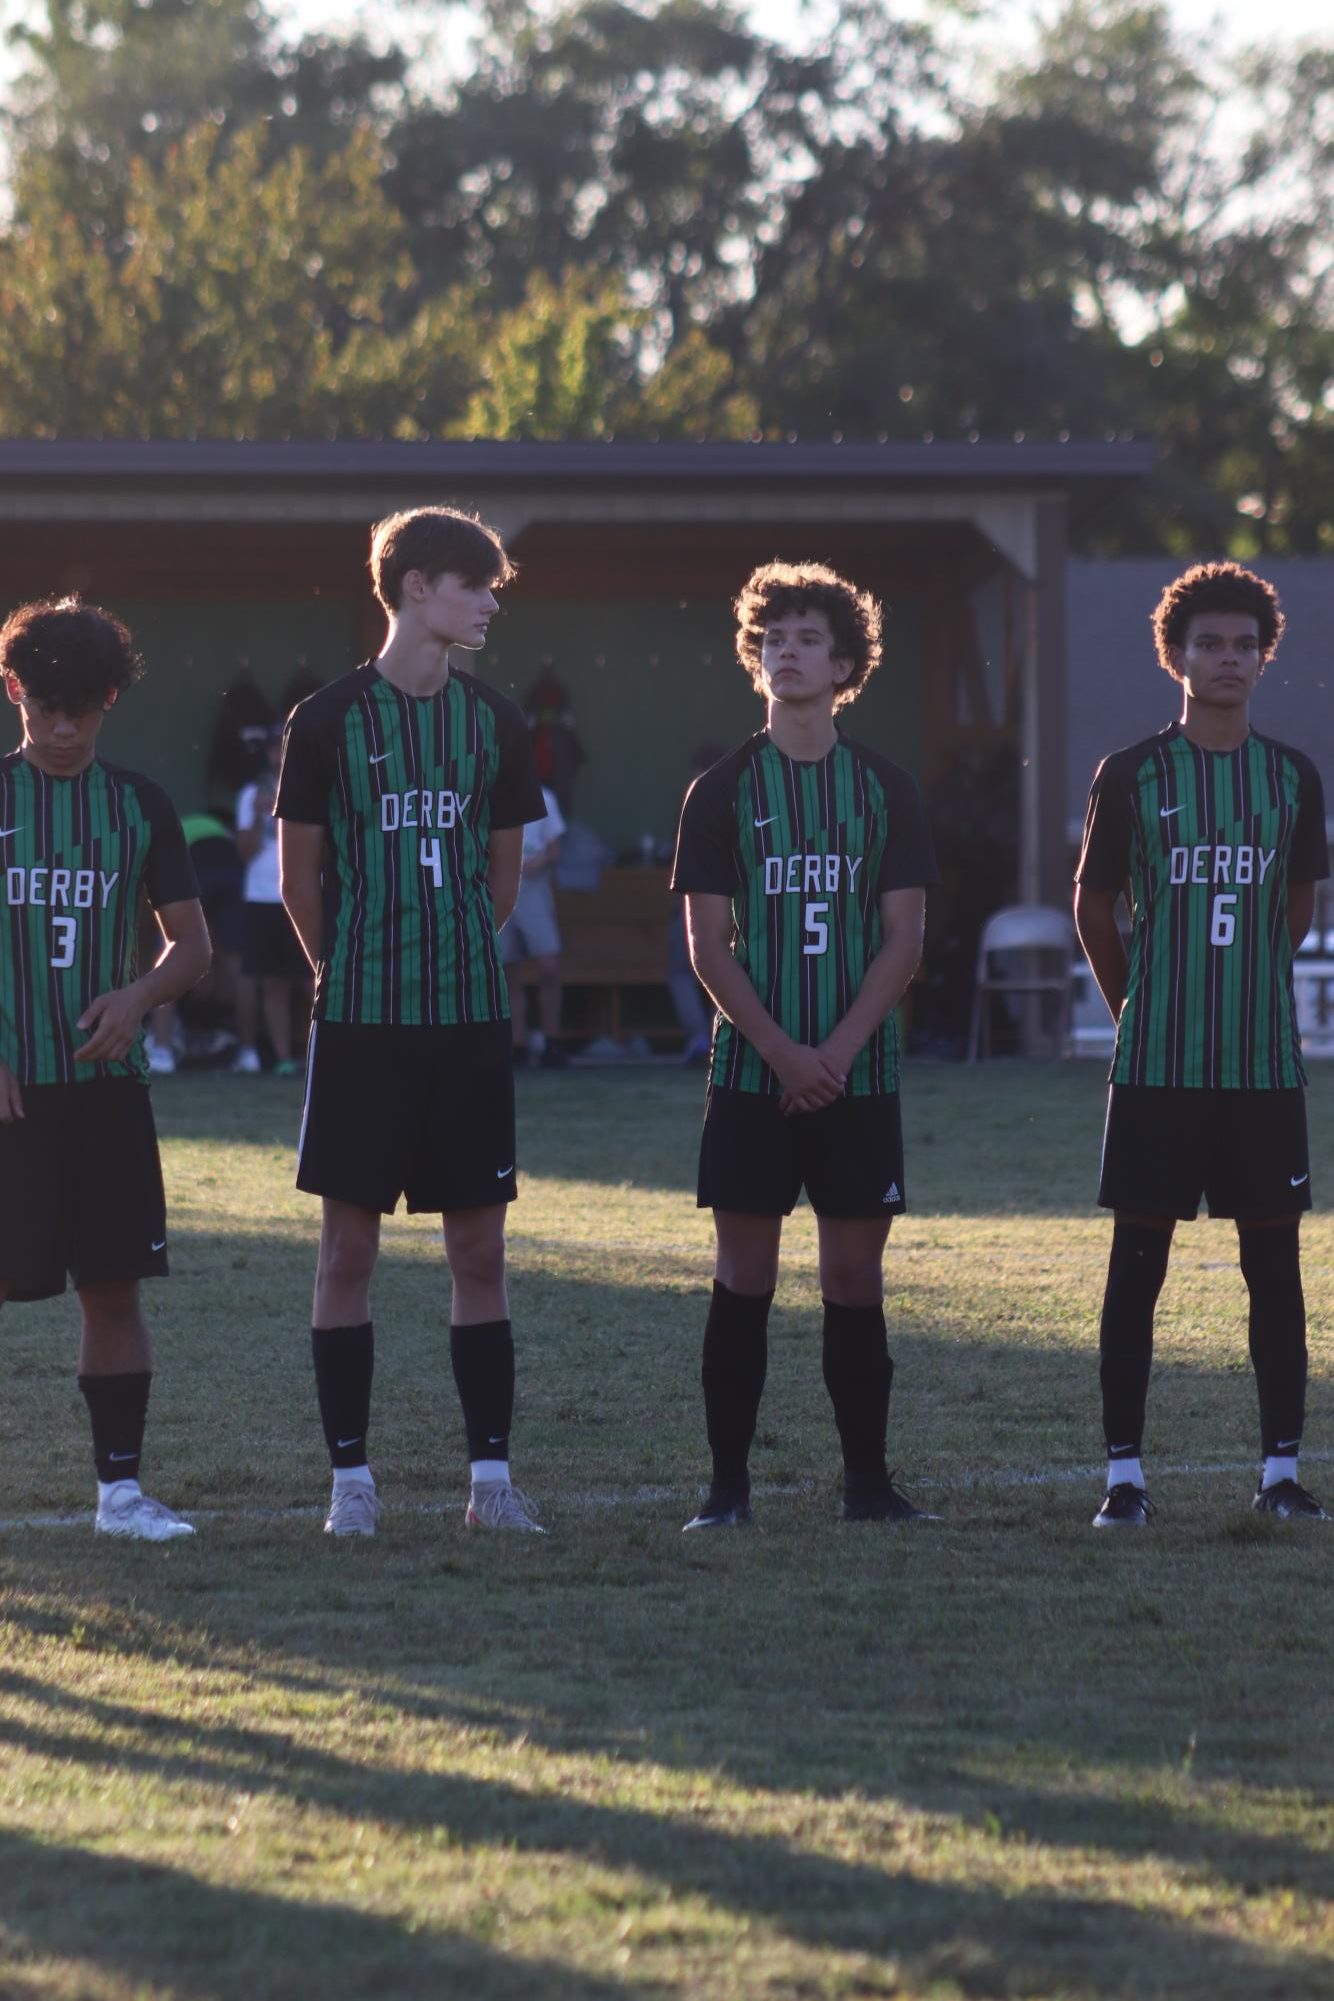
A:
(1104, 858)
(305, 776)
(169, 875)
(909, 860)
(1308, 858)
(706, 862)
(516, 795)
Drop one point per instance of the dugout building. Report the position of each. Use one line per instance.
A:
(231, 558)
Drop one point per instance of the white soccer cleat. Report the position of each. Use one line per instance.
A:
(495, 1504)
(130, 1513)
(353, 1511)
(161, 1059)
(245, 1063)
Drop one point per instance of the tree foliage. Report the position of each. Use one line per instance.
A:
(650, 218)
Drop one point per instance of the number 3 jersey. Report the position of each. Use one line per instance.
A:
(80, 855)
(410, 789)
(1206, 845)
(805, 852)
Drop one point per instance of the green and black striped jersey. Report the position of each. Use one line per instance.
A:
(410, 789)
(805, 852)
(1205, 844)
(79, 855)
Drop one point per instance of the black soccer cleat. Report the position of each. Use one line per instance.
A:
(1289, 1500)
(721, 1510)
(887, 1503)
(1126, 1506)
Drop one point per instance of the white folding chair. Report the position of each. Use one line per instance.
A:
(1040, 944)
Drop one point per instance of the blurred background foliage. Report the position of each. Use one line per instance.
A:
(654, 221)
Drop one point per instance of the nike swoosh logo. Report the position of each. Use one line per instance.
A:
(343, 1443)
(1166, 812)
(119, 1458)
(501, 1172)
(767, 823)
(1296, 1180)
(159, 1247)
(5, 832)
(1286, 1444)
(381, 758)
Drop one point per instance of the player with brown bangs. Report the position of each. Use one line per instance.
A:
(404, 791)
(80, 1180)
(804, 858)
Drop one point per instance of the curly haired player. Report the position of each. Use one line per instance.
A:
(1217, 836)
(804, 859)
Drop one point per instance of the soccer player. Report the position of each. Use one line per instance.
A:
(404, 791)
(80, 1180)
(1217, 834)
(804, 859)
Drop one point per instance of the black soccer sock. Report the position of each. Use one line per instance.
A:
(118, 1411)
(483, 1359)
(857, 1373)
(344, 1360)
(1135, 1274)
(1271, 1266)
(736, 1357)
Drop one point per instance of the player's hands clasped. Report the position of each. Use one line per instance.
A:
(808, 1077)
(114, 1019)
(11, 1097)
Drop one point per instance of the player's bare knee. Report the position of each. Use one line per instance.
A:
(109, 1305)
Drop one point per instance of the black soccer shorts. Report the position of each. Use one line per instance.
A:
(81, 1189)
(755, 1161)
(426, 1113)
(1244, 1152)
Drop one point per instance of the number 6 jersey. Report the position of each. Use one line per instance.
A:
(1206, 844)
(410, 789)
(805, 851)
(79, 855)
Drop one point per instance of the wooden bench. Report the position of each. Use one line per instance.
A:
(612, 938)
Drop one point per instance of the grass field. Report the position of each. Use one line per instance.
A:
(999, 1756)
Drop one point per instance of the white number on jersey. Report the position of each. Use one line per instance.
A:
(65, 935)
(430, 854)
(1223, 921)
(818, 940)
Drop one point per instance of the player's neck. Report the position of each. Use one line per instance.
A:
(804, 731)
(31, 755)
(417, 663)
(1215, 728)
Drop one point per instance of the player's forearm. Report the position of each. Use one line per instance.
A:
(503, 878)
(1104, 947)
(181, 965)
(304, 905)
(887, 980)
(730, 987)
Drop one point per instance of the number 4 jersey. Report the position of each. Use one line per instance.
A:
(80, 855)
(805, 852)
(410, 789)
(1206, 845)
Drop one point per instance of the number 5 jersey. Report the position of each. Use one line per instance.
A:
(804, 851)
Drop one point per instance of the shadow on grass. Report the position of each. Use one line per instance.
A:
(991, 1939)
(144, 1922)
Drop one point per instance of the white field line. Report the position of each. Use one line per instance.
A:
(593, 1502)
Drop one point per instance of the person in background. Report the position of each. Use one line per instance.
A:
(199, 1030)
(534, 933)
(274, 972)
